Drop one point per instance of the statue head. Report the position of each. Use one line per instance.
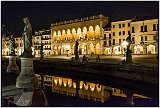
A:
(26, 20)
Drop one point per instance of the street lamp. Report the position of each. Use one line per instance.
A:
(124, 44)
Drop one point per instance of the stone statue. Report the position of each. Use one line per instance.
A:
(129, 52)
(27, 37)
(12, 45)
(76, 51)
(128, 39)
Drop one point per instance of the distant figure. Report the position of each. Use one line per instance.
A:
(27, 36)
(11, 102)
(12, 45)
(98, 58)
(84, 59)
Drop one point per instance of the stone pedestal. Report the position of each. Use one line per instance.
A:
(27, 78)
(129, 57)
(12, 67)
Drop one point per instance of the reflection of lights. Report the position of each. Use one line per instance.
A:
(60, 81)
(124, 43)
(65, 82)
(15, 49)
(86, 86)
(55, 81)
(81, 84)
(98, 87)
(92, 86)
(74, 84)
(69, 82)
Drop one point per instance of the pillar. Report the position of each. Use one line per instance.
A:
(27, 78)
(12, 67)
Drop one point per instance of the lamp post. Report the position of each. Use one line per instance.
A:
(124, 44)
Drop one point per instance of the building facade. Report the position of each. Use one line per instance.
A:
(95, 35)
(88, 31)
(42, 37)
(145, 35)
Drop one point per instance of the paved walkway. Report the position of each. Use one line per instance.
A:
(20, 95)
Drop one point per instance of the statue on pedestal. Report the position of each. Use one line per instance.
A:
(27, 38)
(129, 52)
(12, 45)
(76, 51)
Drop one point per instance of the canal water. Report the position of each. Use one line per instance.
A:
(63, 91)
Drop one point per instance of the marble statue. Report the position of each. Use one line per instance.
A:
(12, 45)
(27, 37)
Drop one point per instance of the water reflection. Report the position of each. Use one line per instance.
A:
(86, 90)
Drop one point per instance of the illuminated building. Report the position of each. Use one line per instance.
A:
(95, 35)
(120, 31)
(88, 31)
(144, 36)
(42, 36)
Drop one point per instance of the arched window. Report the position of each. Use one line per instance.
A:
(91, 32)
(85, 33)
(97, 32)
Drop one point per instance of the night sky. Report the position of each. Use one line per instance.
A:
(42, 14)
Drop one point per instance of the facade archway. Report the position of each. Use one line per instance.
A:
(85, 33)
(54, 36)
(84, 48)
(69, 34)
(138, 49)
(73, 49)
(97, 32)
(117, 50)
(59, 35)
(97, 48)
(59, 50)
(91, 49)
(107, 51)
(91, 32)
(151, 49)
(55, 50)
(73, 34)
(63, 35)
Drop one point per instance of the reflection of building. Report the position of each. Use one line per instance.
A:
(88, 31)
(87, 90)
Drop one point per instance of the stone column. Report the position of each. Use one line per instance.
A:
(12, 67)
(27, 78)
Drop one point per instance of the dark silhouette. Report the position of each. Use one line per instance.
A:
(4, 102)
(11, 102)
(12, 45)
(98, 58)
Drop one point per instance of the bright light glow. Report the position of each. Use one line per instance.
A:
(124, 43)
(92, 86)
(67, 47)
(7, 49)
(74, 84)
(55, 81)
